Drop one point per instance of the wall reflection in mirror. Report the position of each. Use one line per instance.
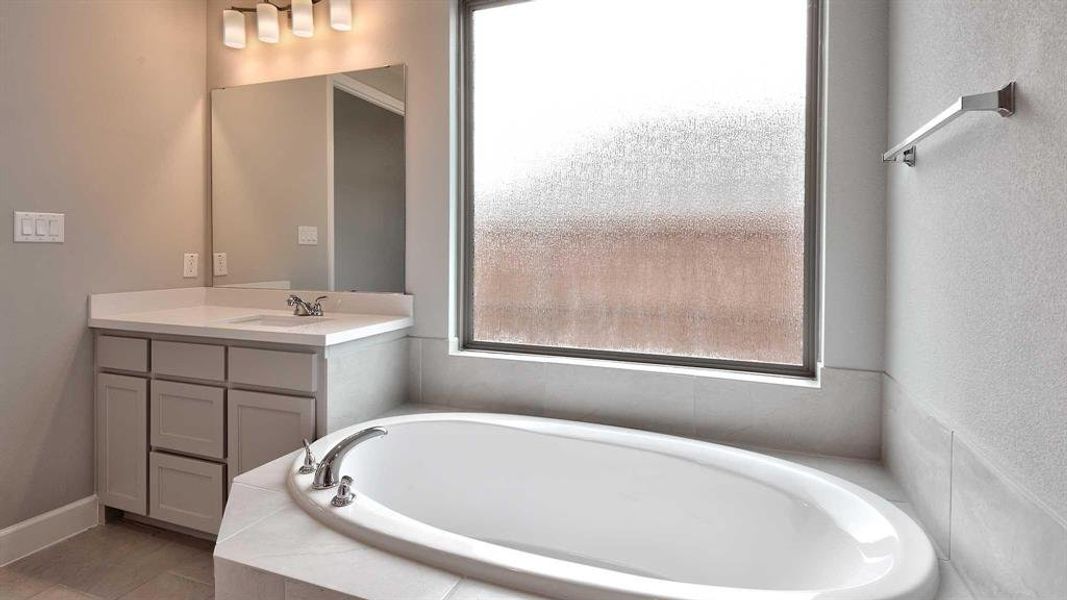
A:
(308, 182)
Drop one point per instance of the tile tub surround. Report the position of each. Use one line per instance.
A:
(269, 548)
(131, 561)
(210, 312)
(1003, 542)
(840, 415)
(918, 450)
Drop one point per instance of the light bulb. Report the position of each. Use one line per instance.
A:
(303, 18)
(341, 15)
(233, 29)
(267, 22)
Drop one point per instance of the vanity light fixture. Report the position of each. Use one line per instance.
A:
(341, 15)
(303, 17)
(233, 28)
(268, 25)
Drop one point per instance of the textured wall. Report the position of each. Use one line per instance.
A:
(103, 117)
(977, 299)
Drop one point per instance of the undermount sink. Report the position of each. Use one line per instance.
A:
(276, 320)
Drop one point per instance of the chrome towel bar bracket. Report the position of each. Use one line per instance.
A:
(1002, 101)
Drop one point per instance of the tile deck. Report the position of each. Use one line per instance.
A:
(126, 560)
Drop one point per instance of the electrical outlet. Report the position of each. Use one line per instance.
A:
(192, 265)
(307, 235)
(218, 262)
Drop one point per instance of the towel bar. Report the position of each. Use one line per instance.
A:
(1002, 101)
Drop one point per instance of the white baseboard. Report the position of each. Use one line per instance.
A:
(31, 535)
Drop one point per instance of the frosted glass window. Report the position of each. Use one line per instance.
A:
(637, 179)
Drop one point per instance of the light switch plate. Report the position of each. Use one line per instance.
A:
(191, 265)
(39, 227)
(307, 235)
(218, 264)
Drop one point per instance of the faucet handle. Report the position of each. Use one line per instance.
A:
(316, 308)
(344, 495)
(309, 460)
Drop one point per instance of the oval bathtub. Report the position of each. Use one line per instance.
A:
(584, 511)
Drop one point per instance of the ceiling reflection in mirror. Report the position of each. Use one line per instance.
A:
(308, 182)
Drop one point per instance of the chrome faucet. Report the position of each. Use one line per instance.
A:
(305, 309)
(326, 471)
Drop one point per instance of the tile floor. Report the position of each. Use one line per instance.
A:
(118, 560)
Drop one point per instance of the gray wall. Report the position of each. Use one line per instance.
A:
(368, 162)
(977, 304)
(103, 117)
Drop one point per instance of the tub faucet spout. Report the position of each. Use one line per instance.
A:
(326, 473)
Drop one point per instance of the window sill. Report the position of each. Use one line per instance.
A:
(454, 349)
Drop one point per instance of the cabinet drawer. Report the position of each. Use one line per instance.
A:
(189, 418)
(274, 368)
(186, 491)
(128, 354)
(182, 359)
(262, 427)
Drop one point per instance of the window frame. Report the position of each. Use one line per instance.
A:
(812, 214)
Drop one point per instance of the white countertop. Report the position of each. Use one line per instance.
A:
(215, 321)
(189, 313)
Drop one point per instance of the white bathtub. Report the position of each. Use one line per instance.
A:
(575, 510)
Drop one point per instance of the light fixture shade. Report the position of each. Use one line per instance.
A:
(267, 23)
(233, 29)
(303, 18)
(341, 15)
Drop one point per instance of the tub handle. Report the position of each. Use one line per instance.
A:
(310, 464)
(344, 495)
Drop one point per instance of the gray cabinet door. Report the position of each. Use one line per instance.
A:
(189, 418)
(122, 441)
(261, 427)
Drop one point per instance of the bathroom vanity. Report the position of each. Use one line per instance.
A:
(196, 386)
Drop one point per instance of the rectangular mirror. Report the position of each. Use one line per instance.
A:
(307, 183)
